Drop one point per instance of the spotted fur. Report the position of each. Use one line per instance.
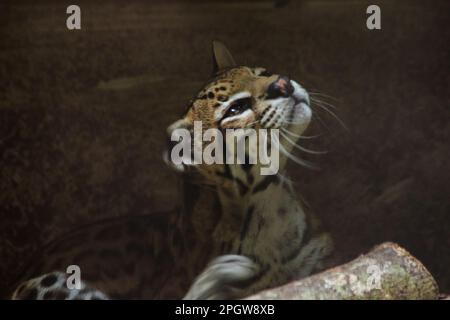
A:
(53, 286)
(235, 232)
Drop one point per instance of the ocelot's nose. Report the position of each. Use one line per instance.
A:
(281, 87)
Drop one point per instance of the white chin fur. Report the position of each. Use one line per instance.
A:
(301, 118)
(302, 113)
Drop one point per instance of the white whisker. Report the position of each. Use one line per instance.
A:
(284, 178)
(297, 160)
(299, 136)
(332, 114)
(285, 136)
(323, 103)
(321, 121)
(319, 94)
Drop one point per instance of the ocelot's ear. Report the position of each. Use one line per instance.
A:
(178, 132)
(222, 58)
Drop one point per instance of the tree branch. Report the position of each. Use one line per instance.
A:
(386, 272)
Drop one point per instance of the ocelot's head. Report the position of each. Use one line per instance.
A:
(240, 97)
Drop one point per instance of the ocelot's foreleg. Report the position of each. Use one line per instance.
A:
(237, 276)
(226, 277)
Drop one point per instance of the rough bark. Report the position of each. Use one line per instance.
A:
(386, 272)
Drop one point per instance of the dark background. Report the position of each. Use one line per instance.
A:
(83, 113)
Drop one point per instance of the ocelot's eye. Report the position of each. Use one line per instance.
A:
(238, 107)
(265, 73)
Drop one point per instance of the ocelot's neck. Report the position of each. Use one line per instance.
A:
(221, 211)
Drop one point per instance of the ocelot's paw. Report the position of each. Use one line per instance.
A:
(53, 286)
(226, 277)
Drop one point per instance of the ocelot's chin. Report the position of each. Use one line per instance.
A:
(300, 118)
(301, 113)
